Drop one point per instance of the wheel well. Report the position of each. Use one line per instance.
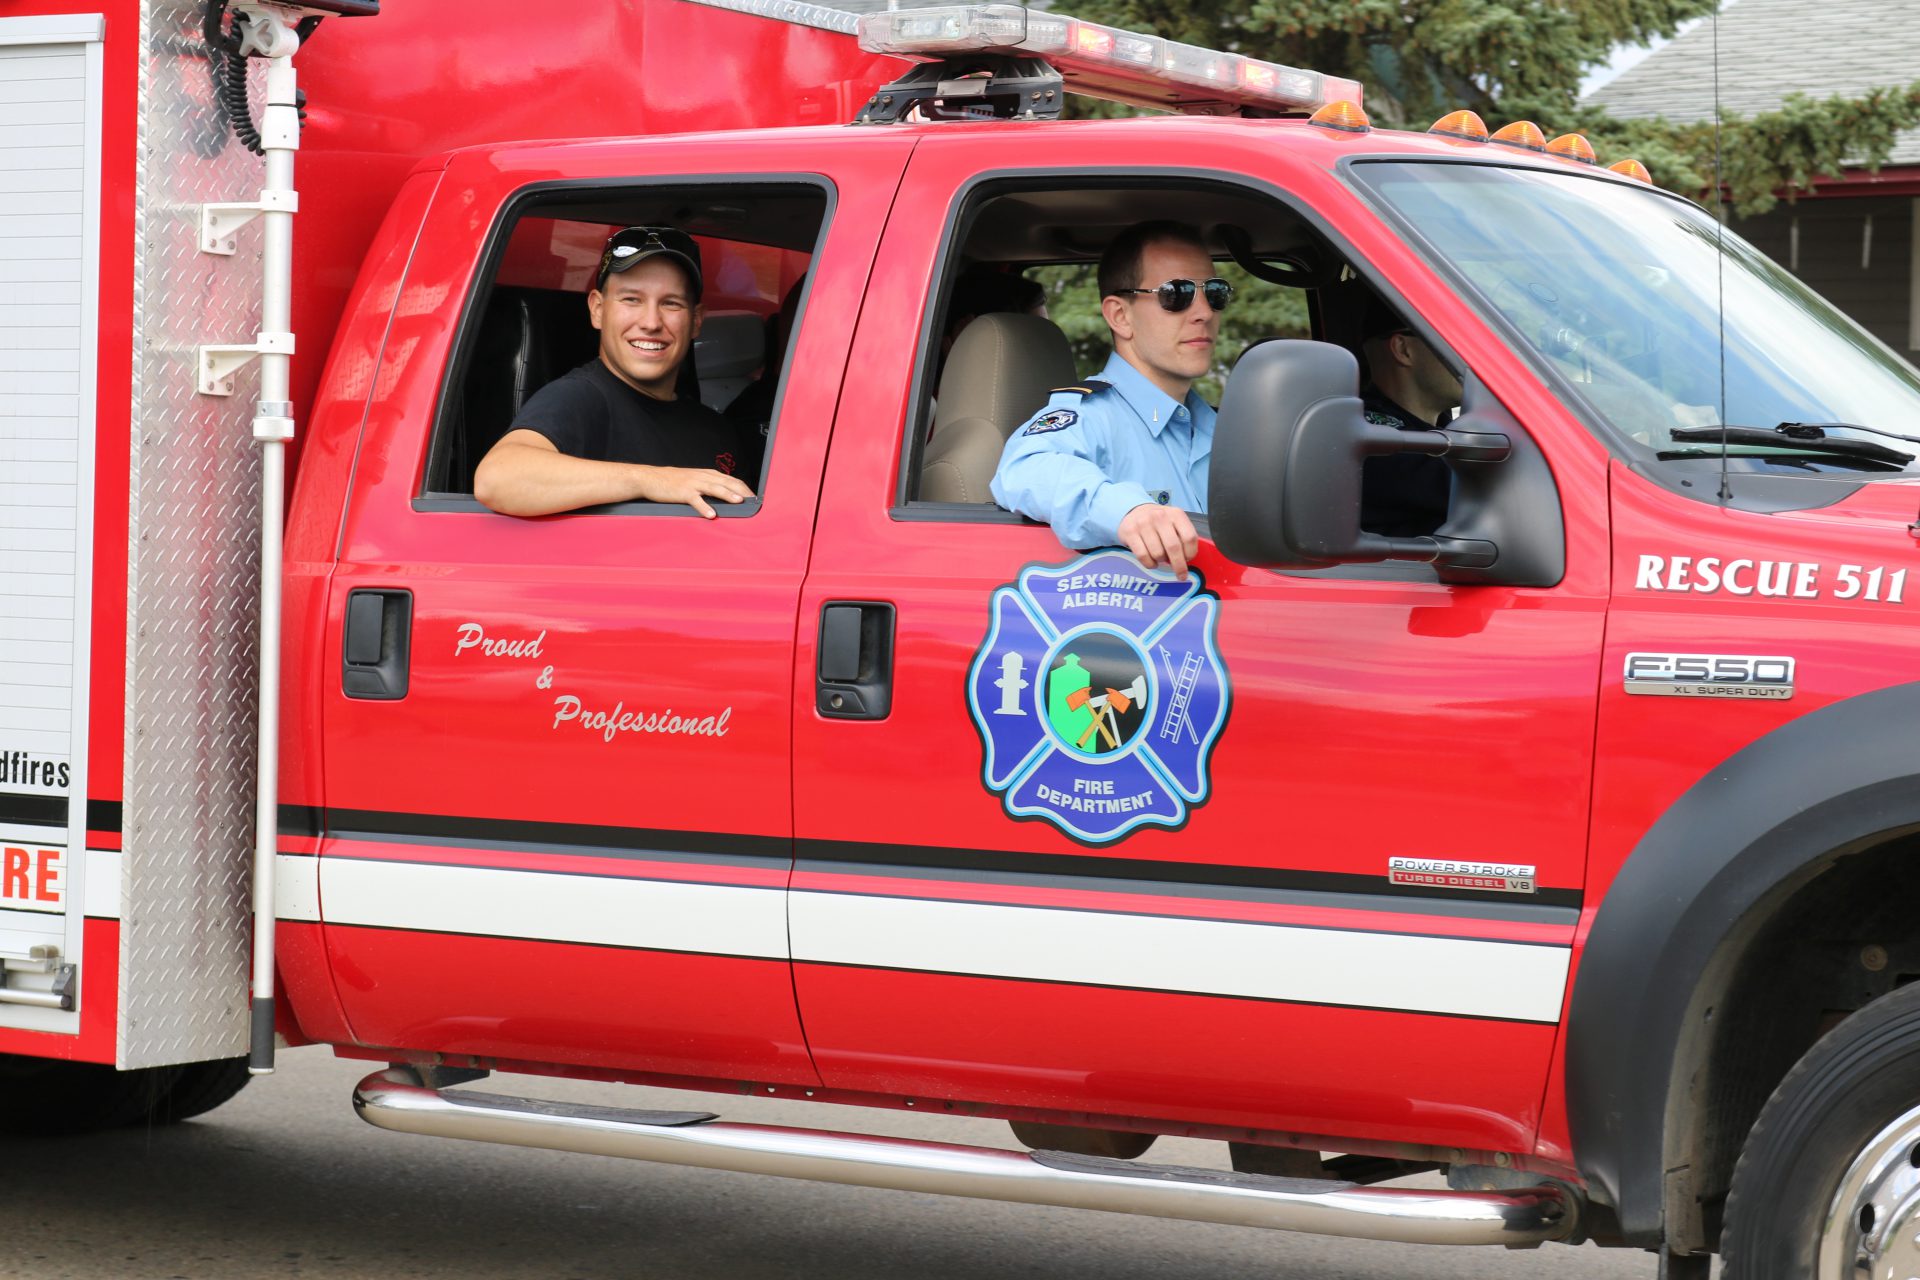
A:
(1818, 949)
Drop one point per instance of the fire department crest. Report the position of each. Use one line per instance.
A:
(1099, 692)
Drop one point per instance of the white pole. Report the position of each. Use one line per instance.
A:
(272, 427)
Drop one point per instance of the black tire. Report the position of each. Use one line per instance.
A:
(198, 1089)
(40, 1098)
(45, 1099)
(1849, 1088)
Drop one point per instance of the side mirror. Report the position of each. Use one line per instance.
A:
(1284, 480)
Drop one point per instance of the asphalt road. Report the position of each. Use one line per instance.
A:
(286, 1181)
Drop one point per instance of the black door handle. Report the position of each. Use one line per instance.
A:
(374, 657)
(853, 668)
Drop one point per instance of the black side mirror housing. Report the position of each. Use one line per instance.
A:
(1288, 451)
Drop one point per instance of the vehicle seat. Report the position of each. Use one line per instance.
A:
(730, 350)
(998, 374)
(528, 337)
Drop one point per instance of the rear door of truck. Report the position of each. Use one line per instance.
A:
(561, 830)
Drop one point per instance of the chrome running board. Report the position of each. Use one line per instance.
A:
(395, 1099)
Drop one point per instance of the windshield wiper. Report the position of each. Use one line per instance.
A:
(1815, 430)
(1799, 437)
(1801, 460)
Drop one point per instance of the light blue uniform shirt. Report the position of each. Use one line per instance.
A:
(1084, 461)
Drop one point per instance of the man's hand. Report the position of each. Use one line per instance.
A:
(691, 485)
(1160, 536)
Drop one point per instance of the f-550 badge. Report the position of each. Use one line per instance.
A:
(1710, 675)
(1099, 693)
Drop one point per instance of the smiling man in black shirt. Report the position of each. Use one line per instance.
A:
(615, 429)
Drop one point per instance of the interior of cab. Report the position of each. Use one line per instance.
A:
(529, 324)
(1289, 281)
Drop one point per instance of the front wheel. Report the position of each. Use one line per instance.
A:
(1828, 1184)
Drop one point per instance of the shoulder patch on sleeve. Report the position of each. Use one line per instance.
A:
(1052, 420)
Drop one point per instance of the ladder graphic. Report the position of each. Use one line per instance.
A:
(1177, 721)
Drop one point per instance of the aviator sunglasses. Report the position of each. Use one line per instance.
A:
(1177, 295)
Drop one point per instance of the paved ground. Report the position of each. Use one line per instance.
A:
(286, 1181)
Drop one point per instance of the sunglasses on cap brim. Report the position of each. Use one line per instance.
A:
(1178, 295)
(631, 243)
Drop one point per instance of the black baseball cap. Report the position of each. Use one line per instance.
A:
(1380, 320)
(635, 245)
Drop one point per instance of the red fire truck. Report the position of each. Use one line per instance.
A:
(1567, 849)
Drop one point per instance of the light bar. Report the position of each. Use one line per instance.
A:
(1101, 61)
(825, 17)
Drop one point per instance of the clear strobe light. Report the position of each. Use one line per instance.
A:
(1104, 61)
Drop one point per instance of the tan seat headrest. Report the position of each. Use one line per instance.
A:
(1001, 368)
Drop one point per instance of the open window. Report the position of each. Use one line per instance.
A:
(528, 322)
(982, 374)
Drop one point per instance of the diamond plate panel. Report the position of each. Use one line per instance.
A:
(192, 579)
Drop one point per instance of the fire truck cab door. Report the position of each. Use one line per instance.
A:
(569, 840)
(1018, 889)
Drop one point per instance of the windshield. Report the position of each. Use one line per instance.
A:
(1617, 289)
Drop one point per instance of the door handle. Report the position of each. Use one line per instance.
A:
(374, 658)
(853, 666)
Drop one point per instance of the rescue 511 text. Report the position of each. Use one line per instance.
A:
(1798, 579)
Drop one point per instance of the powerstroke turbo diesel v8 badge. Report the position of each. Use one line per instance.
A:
(1099, 692)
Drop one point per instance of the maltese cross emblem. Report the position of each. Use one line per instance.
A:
(1098, 693)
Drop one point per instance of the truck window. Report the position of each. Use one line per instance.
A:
(528, 323)
(1016, 312)
(1685, 341)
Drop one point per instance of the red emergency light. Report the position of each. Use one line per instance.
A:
(1091, 59)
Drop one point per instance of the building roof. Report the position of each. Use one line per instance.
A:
(1770, 49)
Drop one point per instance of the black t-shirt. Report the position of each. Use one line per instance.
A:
(590, 413)
(1402, 495)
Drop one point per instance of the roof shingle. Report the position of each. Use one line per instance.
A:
(1770, 49)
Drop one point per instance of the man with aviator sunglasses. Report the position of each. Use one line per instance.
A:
(617, 429)
(1121, 459)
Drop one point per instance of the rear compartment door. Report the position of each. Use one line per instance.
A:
(49, 169)
(569, 840)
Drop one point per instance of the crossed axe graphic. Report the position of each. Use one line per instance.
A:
(1105, 706)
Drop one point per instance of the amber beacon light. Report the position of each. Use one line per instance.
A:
(1347, 117)
(1461, 124)
(1522, 133)
(1571, 146)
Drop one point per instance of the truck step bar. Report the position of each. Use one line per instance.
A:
(396, 1099)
